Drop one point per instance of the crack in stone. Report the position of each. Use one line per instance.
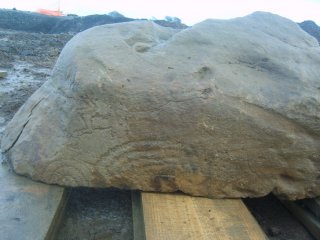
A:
(23, 127)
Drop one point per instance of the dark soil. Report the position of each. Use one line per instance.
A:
(41, 50)
(28, 58)
(99, 214)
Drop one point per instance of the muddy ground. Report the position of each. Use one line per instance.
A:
(94, 213)
(28, 59)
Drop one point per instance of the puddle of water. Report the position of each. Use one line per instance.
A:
(23, 74)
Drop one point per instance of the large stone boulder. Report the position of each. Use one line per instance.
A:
(223, 109)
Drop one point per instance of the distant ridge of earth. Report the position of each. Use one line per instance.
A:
(312, 28)
(35, 22)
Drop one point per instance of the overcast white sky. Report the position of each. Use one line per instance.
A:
(189, 11)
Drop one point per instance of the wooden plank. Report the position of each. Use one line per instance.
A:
(27, 208)
(177, 216)
(58, 216)
(305, 217)
(137, 216)
(313, 204)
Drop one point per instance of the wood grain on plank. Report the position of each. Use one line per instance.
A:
(177, 216)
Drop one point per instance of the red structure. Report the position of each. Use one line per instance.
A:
(57, 13)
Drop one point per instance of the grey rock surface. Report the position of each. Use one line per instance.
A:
(227, 108)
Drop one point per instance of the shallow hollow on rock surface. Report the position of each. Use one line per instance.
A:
(226, 108)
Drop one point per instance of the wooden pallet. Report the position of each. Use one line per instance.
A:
(31, 210)
(159, 216)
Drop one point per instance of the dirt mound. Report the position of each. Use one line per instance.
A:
(34, 22)
(26, 21)
(312, 28)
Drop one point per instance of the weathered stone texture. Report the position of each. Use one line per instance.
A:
(227, 108)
